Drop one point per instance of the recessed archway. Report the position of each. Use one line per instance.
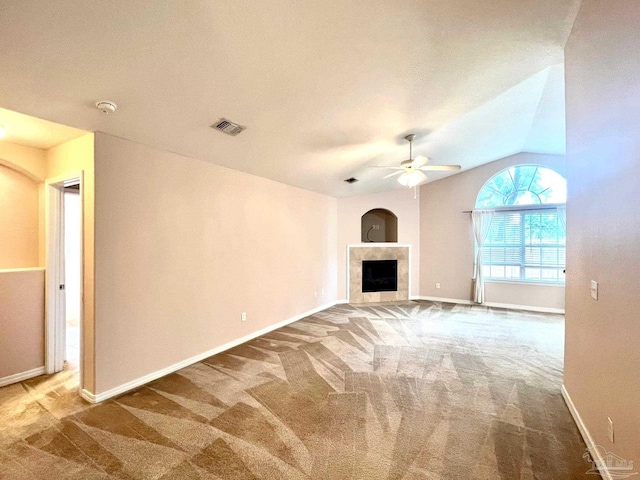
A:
(379, 225)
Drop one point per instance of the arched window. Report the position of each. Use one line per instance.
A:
(526, 237)
(523, 185)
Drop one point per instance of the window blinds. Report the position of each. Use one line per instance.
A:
(525, 245)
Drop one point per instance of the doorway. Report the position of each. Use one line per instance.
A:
(64, 276)
(72, 274)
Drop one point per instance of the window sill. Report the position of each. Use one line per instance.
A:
(522, 282)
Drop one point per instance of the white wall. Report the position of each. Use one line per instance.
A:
(602, 354)
(350, 210)
(184, 246)
(447, 244)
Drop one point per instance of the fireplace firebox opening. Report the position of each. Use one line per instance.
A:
(379, 276)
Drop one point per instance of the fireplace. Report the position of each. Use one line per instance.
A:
(379, 276)
(360, 256)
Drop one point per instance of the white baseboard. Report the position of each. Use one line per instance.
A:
(591, 445)
(19, 377)
(443, 299)
(511, 306)
(341, 302)
(90, 397)
(125, 387)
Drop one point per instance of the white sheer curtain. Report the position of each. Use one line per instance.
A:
(481, 223)
(562, 216)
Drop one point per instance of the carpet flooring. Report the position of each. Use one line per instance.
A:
(414, 390)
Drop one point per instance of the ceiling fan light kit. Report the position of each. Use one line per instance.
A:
(411, 178)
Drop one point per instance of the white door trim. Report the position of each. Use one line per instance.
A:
(55, 320)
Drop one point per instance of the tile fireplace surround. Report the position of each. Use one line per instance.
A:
(378, 251)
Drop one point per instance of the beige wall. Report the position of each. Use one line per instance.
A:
(602, 357)
(18, 220)
(350, 211)
(22, 169)
(184, 246)
(27, 160)
(446, 238)
(73, 156)
(525, 295)
(21, 321)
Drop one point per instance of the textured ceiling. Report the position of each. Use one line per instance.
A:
(326, 88)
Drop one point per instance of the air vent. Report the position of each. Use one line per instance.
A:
(228, 127)
(351, 180)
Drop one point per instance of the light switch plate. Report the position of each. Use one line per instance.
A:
(594, 289)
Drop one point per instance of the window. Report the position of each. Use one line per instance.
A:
(525, 245)
(523, 185)
(526, 240)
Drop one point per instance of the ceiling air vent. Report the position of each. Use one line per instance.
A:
(351, 180)
(228, 127)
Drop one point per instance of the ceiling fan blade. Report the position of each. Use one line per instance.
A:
(388, 168)
(394, 174)
(419, 161)
(441, 168)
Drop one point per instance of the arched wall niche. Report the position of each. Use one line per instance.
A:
(379, 225)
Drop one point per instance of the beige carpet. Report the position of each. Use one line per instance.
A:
(417, 390)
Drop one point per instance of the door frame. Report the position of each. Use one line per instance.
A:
(55, 311)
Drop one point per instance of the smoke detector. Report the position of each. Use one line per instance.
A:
(106, 106)
(228, 127)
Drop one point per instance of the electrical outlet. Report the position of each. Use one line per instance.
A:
(437, 284)
(594, 289)
(243, 317)
(610, 430)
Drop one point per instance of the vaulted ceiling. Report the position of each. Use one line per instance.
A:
(326, 88)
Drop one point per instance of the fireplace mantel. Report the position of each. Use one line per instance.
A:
(356, 253)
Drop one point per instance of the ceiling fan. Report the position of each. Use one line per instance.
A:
(411, 170)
